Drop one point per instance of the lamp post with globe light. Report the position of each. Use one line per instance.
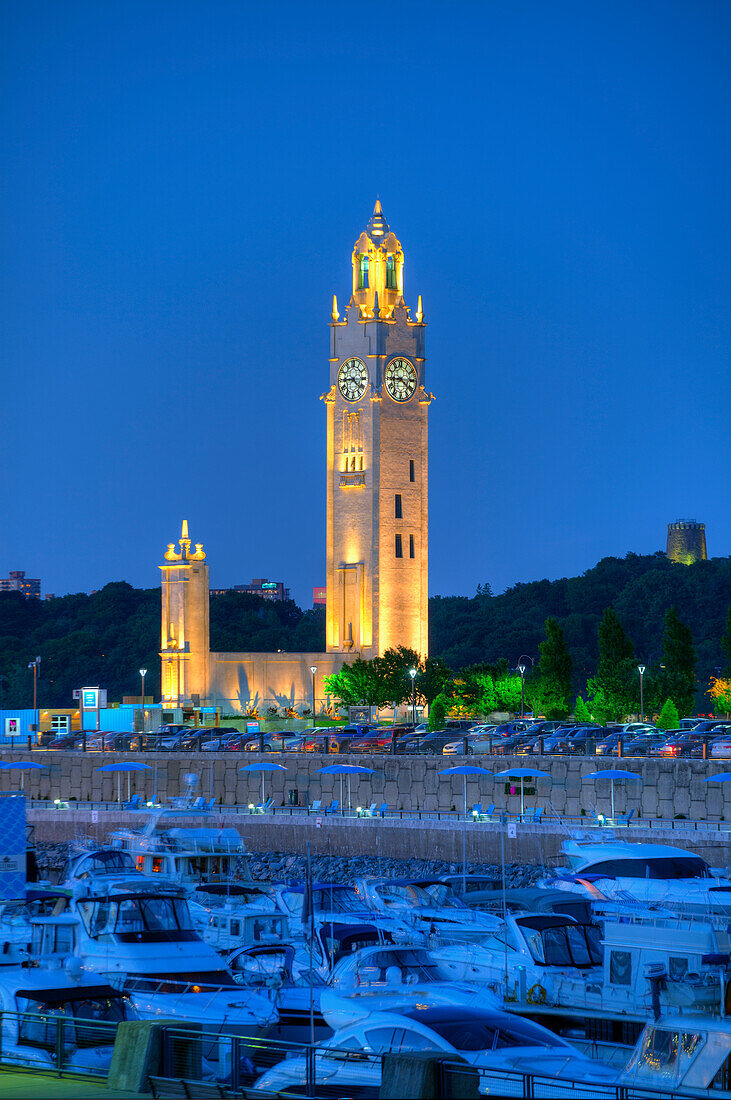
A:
(412, 674)
(143, 673)
(313, 670)
(641, 670)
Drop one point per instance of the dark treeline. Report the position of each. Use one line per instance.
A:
(107, 637)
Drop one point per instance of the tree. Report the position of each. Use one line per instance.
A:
(720, 693)
(669, 717)
(438, 712)
(553, 687)
(726, 641)
(581, 711)
(433, 677)
(507, 689)
(392, 673)
(677, 674)
(355, 685)
(613, 688)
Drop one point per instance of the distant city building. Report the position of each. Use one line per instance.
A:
(260, 586)
(319, 596)
(18, 582)
(687, 541)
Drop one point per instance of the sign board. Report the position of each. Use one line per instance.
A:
(12, 858)
(12, 727)
(253, 727)
(357, 715)
(93, 698)
(76, 693)
(512, 830)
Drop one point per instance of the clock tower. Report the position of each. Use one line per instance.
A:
(377, 458)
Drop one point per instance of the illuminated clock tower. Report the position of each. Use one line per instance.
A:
(377, 459)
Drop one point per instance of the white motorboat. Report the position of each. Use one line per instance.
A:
(653, 873)
(190, 857)
(682, 1052)
(490, 1041)
(59, 1017)
(428, 905)
(393, 979)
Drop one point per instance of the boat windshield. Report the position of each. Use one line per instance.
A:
(87, 1021)
(656, 867)
(443, 895)
(565, 945)
(105, 863)
(138, 914)
(406, 966)
(665, 1055)
(398, 896)
(490, 1033)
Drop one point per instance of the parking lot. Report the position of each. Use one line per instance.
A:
(698, 738)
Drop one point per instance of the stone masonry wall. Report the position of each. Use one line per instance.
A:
(669, 788)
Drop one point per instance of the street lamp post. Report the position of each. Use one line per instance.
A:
(313, 670)
(143, 673)
(35, 665)
(521, 670)
(412, 674)
(641, 670)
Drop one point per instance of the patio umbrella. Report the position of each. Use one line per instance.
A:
(613, 774)
(722, 777)
(22, 766)
(521, 774)
(464, 770)
(264, 767)
(127, 766)
(344, 769)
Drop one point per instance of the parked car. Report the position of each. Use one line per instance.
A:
(540, 729)
(227, 739)
(347, 739)
(431, 744)
(721, 748)
(68, 740)
(478, 740)
(379, 740)
(275, 741)
(643, 743)
(608, 745)
(678, 743)
(316, 741)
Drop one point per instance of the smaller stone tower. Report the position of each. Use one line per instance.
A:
(185, 640)
(687, 541)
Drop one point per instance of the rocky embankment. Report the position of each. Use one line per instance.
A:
(267, 866)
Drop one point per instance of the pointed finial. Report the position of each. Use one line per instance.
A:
(184, 532)
(376, 307)
(419, 311)
(378, 209)
(335, 315)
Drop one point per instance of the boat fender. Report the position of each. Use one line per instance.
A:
(536, 995)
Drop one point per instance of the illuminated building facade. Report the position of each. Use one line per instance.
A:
(377, 511)
(18, 582)
(377, 458)
(686, 541)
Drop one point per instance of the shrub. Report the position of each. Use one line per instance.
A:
(669, 717)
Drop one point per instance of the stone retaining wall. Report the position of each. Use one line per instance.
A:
(669, 788)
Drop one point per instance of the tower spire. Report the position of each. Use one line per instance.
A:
(335, 315)
(419, 311)
(378, 209)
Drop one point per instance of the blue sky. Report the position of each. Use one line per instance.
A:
(182, 186)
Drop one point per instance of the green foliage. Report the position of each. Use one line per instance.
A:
(432, 678)
(507, 689)
(438, 712)
(613, 687)
(676, 676)
(581, 711)
(726, 642)
(382, 682)
(467, 631)
(551, 691)
(669, 717)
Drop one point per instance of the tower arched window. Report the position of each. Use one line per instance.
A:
(390, 273)
(363, 265)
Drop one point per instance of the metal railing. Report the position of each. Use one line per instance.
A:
(55, 1042)
(453, 816)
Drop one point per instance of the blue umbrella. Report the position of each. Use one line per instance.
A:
(611, 774)
(23, 765)
(264, 767)
(523, 773)
(722, 777)
(464, 770)
(124, 766)
(344, 769)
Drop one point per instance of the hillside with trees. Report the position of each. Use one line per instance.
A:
(107, 637)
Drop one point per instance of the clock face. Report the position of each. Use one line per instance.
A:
(353, 379)
(400, 378)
